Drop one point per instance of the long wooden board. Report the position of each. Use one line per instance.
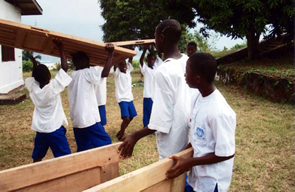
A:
(40, 40)
(75, 172)
(148, 179)
(135, 42)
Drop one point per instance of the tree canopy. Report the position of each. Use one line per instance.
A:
(137, 19)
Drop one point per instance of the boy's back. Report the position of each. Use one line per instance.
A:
(48, 113)
(170, 111)
(82, 98)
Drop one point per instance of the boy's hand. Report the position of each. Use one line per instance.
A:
(109, 47)
(180, 166)
(146, 46)
(57, 42)
(126, 148)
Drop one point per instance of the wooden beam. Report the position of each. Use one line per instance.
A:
(39, 40)
(145, 178)
(45, 171)
(135, 42)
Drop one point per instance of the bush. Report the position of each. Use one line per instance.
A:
(27, 66)
(135, 63)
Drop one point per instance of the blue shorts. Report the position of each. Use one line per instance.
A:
(103, 114)
(147, 110)
(127, 109)
(91, 137)
(188, 188)
(56, 140)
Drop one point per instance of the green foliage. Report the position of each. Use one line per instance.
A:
(130, 19)
(238, 18)
(26, 55)
(135, 63)
(27, 66)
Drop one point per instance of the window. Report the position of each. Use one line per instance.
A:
(7, 53)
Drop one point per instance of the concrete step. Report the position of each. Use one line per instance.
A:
(13, 98)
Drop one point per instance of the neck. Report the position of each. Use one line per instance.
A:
(172, 52)
(207, 90)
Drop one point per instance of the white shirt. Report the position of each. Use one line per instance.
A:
(101, 89)
(123, 82)
(171, 108)
(82, 98)
(213, 124)
(148, 77)
(48, 114)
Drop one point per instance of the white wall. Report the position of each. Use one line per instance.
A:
(11, 75)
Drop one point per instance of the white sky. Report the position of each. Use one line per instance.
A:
(82, 18)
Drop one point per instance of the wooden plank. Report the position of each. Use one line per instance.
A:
(39, 40)
(141, 179)
(109, 172)
(135, 42)
(73, 183)
(32, 174)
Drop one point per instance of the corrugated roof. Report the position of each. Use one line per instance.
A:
(28, 7)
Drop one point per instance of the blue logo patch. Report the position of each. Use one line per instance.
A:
(200, 133)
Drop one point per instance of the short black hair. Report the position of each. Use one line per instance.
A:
(80, 58)
(192, 43)
(150, 55)
(205, 65)
(41, 73)
(170, 28)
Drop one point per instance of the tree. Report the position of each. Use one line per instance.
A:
(26, 55)
(130, 19)
(239, 18)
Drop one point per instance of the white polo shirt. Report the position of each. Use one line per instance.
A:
(213, 124)
(101, 89)
(123, 83)
(171, 108)
(48, 114)
(82, 97)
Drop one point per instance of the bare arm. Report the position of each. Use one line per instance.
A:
(182, 165)
(63, 58)
(106, 70)
(143, 54)
(35, 63)
(129, 141)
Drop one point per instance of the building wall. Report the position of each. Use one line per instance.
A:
(11, 75)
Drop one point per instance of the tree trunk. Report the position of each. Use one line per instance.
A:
(252, 43)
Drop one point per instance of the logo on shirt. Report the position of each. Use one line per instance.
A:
(200, 133)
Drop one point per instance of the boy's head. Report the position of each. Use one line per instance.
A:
(122, 66)
(80, 60)
(41, 74)
(151, 59)
(167, 34)
(200, 70)
(191, 48)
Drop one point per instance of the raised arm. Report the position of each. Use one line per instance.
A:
(35, 63)
(59, 45)
(145, 47)
(106, 70)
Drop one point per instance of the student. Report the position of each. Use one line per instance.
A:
(84, 113)
(212, 136)
(191, 48)
(148, 73)
(124, 96)
(101, 97)
(170, 112)
(49, 118)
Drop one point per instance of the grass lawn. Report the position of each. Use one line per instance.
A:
(264, 161)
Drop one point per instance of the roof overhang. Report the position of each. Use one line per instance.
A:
(28, 7)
